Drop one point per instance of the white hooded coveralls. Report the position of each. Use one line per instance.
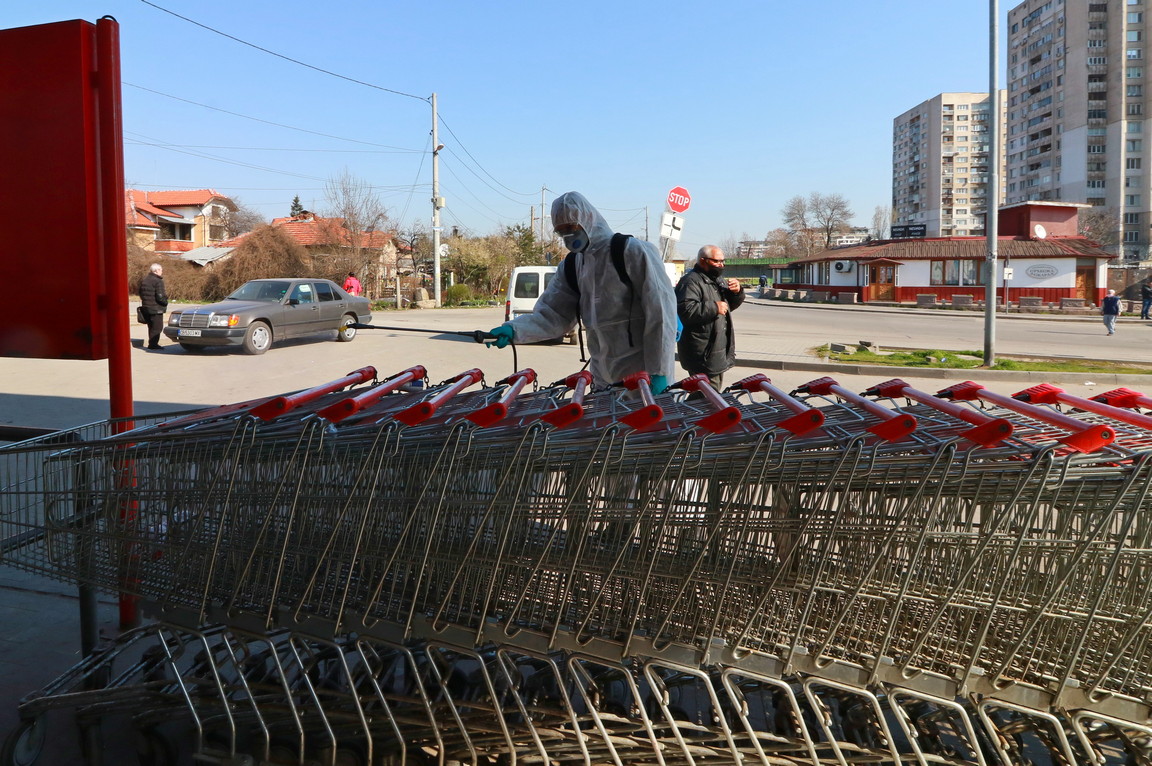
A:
(607, 305)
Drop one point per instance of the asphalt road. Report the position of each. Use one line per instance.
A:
(60, 394)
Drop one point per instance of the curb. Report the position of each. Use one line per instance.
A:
(946, 373)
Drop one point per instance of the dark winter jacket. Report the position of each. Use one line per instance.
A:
(1146, 292)
(152, 295)
(708, 342)
(1110, 305)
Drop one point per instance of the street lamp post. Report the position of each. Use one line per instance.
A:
(437, 203)
(992, 195)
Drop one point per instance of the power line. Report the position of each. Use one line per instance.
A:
(256, 119)
(282, 56)
(461, 143)
(281, 149)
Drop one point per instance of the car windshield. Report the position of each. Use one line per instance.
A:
(272, 292)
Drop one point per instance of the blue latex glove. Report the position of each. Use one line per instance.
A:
(504, 335)
(658, 384)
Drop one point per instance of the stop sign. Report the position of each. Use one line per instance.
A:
(679, 199)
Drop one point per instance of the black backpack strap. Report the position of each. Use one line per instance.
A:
(616, 249)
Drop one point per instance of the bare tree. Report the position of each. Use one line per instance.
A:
(798, 218)
(242, 220)
(881, 222)
(831, 214)
(730, 245)
(1101, 224)
(356, 226)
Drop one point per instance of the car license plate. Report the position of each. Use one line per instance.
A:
(189, 333)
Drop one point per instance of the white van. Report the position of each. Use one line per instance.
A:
(525, 286)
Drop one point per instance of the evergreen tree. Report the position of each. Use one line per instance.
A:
(297, 208)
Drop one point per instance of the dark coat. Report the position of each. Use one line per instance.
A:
(152, 295)
(708, 342)
(1110, 305)
(1146, 292)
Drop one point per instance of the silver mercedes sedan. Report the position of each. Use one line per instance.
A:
(265, 310)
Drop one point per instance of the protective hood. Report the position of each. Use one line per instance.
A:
(572, 207)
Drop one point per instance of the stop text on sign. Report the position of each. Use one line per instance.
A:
(679, 199)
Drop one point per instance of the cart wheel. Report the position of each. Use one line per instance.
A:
(153, 748)
(23, 744)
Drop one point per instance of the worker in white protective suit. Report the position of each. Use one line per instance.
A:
(630, 315)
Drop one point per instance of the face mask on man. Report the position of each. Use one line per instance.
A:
(576, 241)
(714, 270)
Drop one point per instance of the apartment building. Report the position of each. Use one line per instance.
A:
(1077, 108)
(940, 165)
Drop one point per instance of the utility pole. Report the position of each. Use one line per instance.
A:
(542, 214)
(437, 203)
(992, 197)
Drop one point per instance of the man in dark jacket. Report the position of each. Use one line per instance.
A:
(1145, 299)
(705, 303)
(154, 301)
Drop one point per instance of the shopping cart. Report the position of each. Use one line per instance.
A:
(552, 574)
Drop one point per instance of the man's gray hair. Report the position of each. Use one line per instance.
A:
(155, 268)
(708, 251)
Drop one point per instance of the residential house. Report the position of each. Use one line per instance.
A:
(176, 222)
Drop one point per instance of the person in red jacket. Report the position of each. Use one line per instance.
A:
(352, 284)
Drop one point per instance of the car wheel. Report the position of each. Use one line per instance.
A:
(346, 332)
(258, 338)
(191, 348)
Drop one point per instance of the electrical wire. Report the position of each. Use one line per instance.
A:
(285, 58)
(254, 119)
(461, 143)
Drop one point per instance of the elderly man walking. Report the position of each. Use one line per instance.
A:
(704, 303)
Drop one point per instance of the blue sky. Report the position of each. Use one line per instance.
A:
(745, 104)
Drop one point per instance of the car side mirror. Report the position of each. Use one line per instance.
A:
(293, 301)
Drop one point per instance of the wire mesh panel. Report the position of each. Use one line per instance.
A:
(875, 562)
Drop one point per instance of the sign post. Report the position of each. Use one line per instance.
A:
(672, 223)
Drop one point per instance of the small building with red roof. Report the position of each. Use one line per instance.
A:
(1040, 252)
(175, 222)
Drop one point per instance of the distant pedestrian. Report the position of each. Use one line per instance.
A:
(1145, 298)
(1110, 308)
(352, 284)
(154, 301)
(705, 302)
(763, 281)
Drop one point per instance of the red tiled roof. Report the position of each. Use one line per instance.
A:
(962, 248)
(183, 197)
(139, 205)
(315, 230)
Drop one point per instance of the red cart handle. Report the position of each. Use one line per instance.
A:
(805, 418)
(345, 408)
(988, 432)
(725, 415)
(1084, 437)
(420, 412)
(498, 410)
(281, 404)
(893, 426)
(568, 413)
(1046, 393)
(650, 412)
(1124, 397)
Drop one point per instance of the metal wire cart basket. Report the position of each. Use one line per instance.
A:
(384, 571)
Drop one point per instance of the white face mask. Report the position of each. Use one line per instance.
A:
(577, 241)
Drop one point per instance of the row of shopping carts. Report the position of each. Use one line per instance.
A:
(383, 570)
